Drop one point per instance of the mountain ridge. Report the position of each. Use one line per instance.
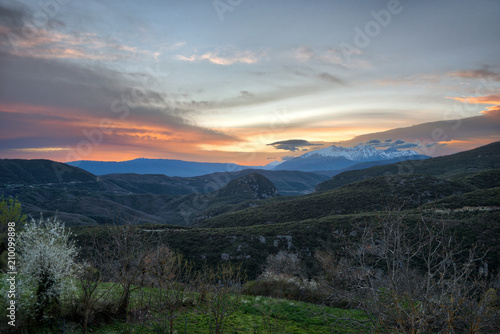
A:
(476, 160)
(169, 167)
(338, 157)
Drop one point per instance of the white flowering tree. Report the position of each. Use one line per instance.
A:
(46, 262)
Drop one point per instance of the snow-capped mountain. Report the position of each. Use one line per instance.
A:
(271, 165)
(338, 157)
(359, 152)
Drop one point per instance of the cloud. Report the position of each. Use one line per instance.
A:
(487, 99)
(330, 56)
(26, 40)
(224, 56)
(398, 144)
(11, 17)
(246, 94)
(484, 73)
(54, 96)
(442, 137)
(48, 44)
(492, 99)
(493, 111)
(292, 145)
(330, 78)
(306, 72)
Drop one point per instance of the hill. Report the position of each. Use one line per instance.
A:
(287, 182)
(369, 195)
(460, 164)
(50, 188)
(131, 197)
(364, 165)
(243, 197)
(250, 186)
(20, 171)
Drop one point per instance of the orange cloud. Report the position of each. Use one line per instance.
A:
(484, 73)
(35, 131)
(493, 99)
(488, 99)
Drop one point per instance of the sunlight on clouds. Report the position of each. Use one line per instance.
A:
(224, 57)
(47, 44)
(488, 99)
(41, 149)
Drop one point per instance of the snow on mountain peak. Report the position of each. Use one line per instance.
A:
(358, 153)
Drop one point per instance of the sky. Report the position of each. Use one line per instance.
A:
(245, 81)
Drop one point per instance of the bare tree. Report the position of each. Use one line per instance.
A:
(93, 293)
(172, 276)
(124, 261)
(223, 299)
(96, 292)
(409, 278)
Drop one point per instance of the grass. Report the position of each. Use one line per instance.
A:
(254, 315)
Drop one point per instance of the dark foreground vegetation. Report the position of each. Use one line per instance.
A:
(393, 274)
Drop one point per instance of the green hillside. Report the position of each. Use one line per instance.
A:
(460, 164)
(373, 194)
(482, 180)
(288, 183)
(19, 171)
(482, 199)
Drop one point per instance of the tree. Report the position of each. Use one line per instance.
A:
(46, 261)
(223, 296)
(95, 296)
(89, 280)
(10, 211)
(411, 277)
(173, 277)
(124, 261)
(283, 264)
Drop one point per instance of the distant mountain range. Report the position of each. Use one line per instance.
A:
(326, 159)
(337, 158)
(157, 166)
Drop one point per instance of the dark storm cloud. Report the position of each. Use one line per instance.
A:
(292, 145)
(11, 17)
